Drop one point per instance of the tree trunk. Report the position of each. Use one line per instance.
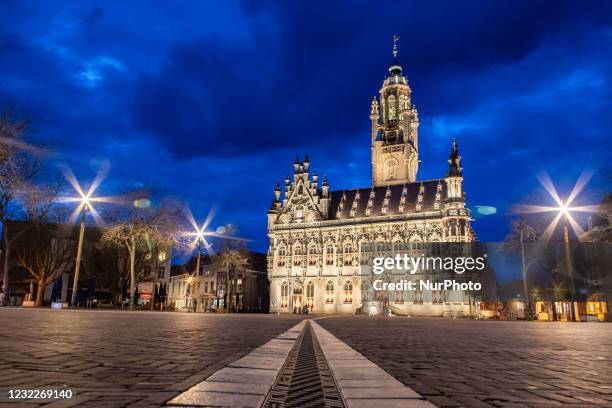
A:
(132, 252)
(6, 278)
(40, 292)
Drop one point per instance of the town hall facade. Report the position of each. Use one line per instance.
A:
(322, 242)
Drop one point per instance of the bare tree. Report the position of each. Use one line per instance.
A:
(233, 258)
(141, 234)
(46, 251)
(19, 166)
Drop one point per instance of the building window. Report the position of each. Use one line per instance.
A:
(212, 287)
(348, 292)
(392, 107)
(348, 254)
(239, 285)
(436, 297)
(312, 255)
(310, 295)
(147, 270)
(297, 255)
(205, 287)
(384, 210)
(329, 255)
(329, 292)
(161, 271)
(284, 294)
(282, 257)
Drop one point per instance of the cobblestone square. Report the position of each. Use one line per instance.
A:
(471, 363)
(116, 358)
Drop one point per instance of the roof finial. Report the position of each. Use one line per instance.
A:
(395, 41)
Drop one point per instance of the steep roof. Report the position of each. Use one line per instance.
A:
(411, 193)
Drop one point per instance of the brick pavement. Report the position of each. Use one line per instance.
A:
(488, 363)
(118, 359)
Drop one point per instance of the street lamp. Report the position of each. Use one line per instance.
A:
(85, 200)
(564, 211)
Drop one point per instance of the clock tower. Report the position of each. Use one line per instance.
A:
(395, 123)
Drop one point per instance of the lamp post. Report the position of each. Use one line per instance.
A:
(564, 211)
(75, 284)
(200, 236)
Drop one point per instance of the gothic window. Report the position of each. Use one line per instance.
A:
(329, 292)
(284, 294)
(310, 295)
(348, 292)
(300, 189)
(437, 297)
(418, 297)
(404, 102)
(161, 271)
(348, 254)
(329, 254)
(392, 107)
(390, 168)
(312, 255)
(297, 255)
(282, 257)
(365, 254)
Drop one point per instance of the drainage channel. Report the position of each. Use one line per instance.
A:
(305, 379)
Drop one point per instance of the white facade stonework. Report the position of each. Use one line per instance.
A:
(322, 242)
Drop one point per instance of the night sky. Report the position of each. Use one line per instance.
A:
(210, 102)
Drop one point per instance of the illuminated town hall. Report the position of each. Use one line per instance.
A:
(323, 241)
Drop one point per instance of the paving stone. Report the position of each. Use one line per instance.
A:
(115, 358)
(217, 399)
(467, 363)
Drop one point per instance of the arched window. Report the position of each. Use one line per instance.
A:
(282, 256)
(297, 255)
(300, 189)
(313, 255)
(284, 294)
(348, 292)
(329, 254)
(310, 295)
(348, 254)
(392, 107)
(329, 292)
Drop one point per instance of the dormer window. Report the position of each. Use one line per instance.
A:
(386, 202)
(368, 211)
(403, 200)
(384, 210)
(401, 208)
(420, 199)
(418, 207)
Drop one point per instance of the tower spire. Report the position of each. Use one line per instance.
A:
(454, 161)
(395, 41)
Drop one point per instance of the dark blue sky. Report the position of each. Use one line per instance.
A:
(211, 101)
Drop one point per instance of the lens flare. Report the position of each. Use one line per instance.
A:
(563, 208)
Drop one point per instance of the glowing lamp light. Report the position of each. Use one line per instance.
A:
(563, 208)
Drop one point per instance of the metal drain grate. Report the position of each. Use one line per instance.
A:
(305, 380)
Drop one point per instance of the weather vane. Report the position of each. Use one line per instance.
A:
(395, 41)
